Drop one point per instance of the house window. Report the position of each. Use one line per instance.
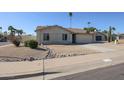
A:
(64, 36)
(46, 36)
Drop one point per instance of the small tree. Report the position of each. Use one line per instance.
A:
(12, 30)
(111, 29)
(90, 29)
(0, 29)
(16, 42)
(19, 32)
(26, 43)
(13, 38)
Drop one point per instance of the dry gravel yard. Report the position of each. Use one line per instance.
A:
(21, 52)
(58, 51)
(9, 53)
(70, 50)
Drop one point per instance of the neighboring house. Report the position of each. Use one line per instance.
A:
(60, 35)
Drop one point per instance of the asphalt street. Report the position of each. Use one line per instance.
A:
(4, 43)
(115, 72)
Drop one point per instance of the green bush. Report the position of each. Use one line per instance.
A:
(16, 42)
(33, 44)
(26, 43)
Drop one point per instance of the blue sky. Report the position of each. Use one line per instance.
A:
(28, 21)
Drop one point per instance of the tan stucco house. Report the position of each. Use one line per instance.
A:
(60, 35)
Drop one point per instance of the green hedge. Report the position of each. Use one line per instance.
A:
(26, 43)
(33, 44)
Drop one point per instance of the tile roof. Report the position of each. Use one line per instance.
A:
(78, 31)
(72, 30)
(40, 27)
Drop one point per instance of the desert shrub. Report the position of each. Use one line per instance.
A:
(26, 43)
(33, 44)
(16, 42)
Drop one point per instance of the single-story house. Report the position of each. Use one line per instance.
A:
(60, 35)
(121, 36)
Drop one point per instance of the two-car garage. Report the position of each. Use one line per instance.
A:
(100, 37)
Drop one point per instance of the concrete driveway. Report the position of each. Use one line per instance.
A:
(103, 47)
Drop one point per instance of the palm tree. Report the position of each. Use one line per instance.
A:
(105, 31)
(111, 29)
(19, 32)
(0, 29)
(88, 23)
(70, 15)
(12, 30)
(90, 29)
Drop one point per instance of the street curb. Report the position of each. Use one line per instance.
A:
(6, 45)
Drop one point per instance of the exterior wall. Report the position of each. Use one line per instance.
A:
(38, 37)
(55, 36)
(84, 38)
(103, 36)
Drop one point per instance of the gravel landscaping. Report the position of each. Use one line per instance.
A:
(59, 51)
(16, 54)
(11, 53)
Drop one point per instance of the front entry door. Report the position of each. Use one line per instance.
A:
(73, 38)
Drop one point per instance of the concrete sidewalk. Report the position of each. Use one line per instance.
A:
(61, 66)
